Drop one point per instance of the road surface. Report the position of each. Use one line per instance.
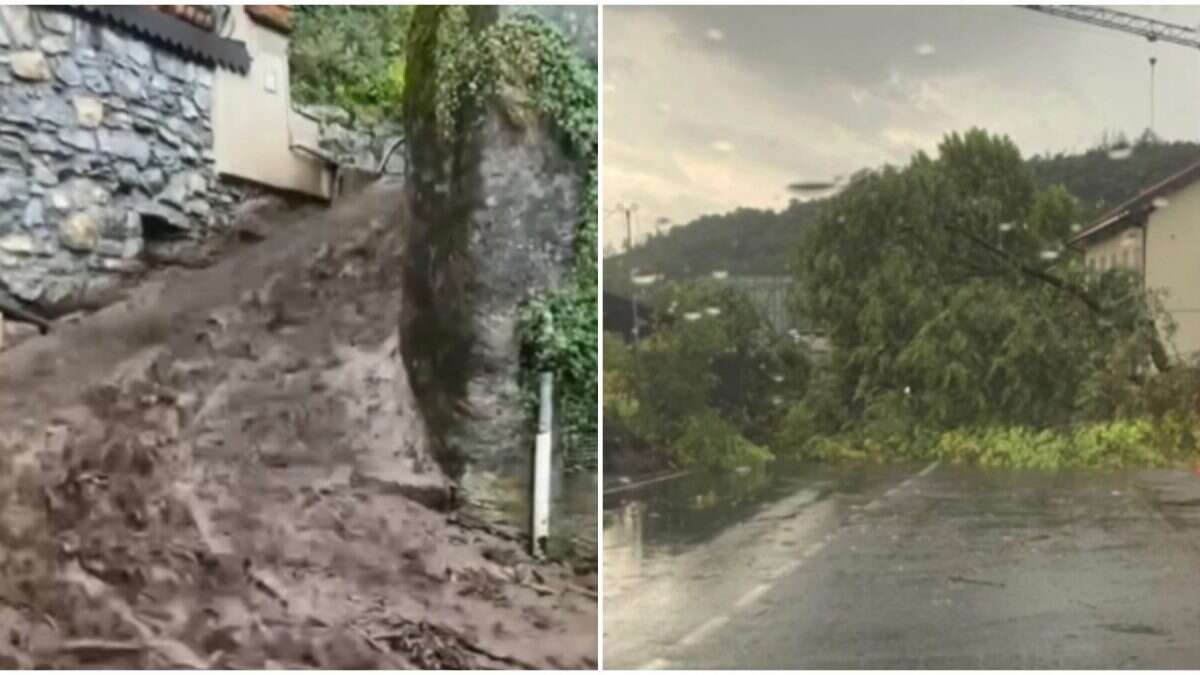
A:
(928, 566)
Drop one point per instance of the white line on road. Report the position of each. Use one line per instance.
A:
(754, 594)
(704, 629)
(785, 569)
(656, 664)
(931, 467)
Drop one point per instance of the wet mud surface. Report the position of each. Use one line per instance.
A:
(226, 470)
(914, 567)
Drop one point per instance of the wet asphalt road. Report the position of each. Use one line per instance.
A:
(919, 567)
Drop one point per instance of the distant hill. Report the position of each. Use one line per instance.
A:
(1100, 182)
(756, 242)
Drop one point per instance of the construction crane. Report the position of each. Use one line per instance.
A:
(1151, 29)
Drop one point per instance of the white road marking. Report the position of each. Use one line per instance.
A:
(754, 594)
(704, 629)
(931, 467)
(656, 664)
(785, 569)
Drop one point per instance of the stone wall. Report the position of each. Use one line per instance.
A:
(354, 143)
(105, 145)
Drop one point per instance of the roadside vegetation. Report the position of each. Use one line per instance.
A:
(959, 328)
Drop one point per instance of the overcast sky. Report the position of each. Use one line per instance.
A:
(711, 108)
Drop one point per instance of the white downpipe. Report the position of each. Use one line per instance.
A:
(541, 467)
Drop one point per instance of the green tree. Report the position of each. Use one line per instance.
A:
(351, 56)
(949, 299)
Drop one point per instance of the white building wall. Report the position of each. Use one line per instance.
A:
(254, 125)
(1173, 264)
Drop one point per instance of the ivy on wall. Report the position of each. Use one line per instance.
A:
(531, 71)
(534, 73)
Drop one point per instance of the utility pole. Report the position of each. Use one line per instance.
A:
(629, 210)
(540, 513)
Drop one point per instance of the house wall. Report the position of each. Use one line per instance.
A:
(1121, 250)
(253, 121)
(1173, 263)
(100, 133)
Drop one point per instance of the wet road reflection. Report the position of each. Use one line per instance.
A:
(904, 566)
(669, 542)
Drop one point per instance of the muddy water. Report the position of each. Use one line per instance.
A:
(252, 418)
(573, 515)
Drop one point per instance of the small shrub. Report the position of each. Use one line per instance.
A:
(709, 441)
(798, 432)
(1115, 444)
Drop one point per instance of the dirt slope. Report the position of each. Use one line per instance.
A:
(225, 470)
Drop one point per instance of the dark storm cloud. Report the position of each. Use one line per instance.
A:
(709, 108)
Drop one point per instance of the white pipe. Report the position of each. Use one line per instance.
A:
(541, 467)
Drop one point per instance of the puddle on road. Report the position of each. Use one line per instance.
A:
(645, 527)
(696, 546)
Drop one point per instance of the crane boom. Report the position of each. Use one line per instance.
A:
(1151, 29)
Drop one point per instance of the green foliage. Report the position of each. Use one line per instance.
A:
(1100, 180)
(559, 332)
(710, 441)
(758, 242)
(934, 279)
(461, 61)
(351, 56)
(532, 70)
(799, 430)
(619, 402)
(716, 353)
(960, 328)
(712, 358)
(1114, 444)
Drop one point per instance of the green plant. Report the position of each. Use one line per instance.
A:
(532, 71)
(462, 62)
(709, 441)
(1113, 444)
(350, 56)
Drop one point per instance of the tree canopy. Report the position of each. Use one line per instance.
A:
(959, 327)
(759, 242)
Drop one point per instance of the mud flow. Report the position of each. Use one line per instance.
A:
(226, 470)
